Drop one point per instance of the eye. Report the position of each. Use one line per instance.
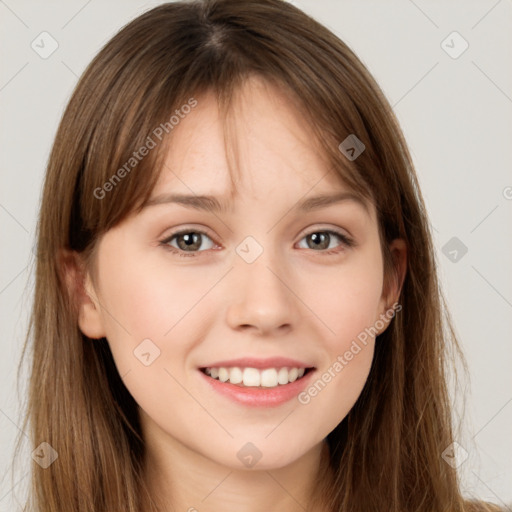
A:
(187, 241)
(318, 240)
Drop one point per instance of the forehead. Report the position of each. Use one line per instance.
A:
(262, 141)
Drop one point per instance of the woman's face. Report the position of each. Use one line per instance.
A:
(267, 279)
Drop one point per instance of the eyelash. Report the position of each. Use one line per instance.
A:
(345, 241)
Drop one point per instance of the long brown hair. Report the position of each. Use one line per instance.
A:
(386, 453)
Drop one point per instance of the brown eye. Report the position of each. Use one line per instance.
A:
(187, 241)
(321, 240)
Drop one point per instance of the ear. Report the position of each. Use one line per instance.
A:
(394, 282)
(81, 291)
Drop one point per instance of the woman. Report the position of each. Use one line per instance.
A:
(252, 374)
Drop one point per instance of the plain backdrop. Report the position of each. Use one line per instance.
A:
(455, 108)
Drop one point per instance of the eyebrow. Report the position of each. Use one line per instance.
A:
(212, 203)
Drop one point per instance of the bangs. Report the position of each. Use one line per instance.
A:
(125, 108)
(120, 177)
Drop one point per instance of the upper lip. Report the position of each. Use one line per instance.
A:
(251, 362)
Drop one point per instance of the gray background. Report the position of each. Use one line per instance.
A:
(457, 117)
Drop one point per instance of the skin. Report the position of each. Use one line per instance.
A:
(293, 300)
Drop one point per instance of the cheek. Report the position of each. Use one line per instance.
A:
(149, 316)
(157, 312)
(149, 299)
(348, 307)
(338, 385)
(348, 300)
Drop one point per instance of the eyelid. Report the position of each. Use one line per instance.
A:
(314, 228)
(306, 231)
(347, 241)
(188, 229)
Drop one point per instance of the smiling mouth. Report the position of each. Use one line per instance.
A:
(256, 378)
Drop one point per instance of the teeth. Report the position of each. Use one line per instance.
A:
(235, 375)
(267, 378)
(252, 377)
(223, 374)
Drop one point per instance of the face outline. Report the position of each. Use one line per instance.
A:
(292, 301)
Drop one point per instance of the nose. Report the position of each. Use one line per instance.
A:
(262, 296)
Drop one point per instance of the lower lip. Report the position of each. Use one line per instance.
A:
(260, 396)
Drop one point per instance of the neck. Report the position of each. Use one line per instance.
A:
(179, 479)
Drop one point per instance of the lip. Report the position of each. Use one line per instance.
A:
(250, 362)
(259, 396)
